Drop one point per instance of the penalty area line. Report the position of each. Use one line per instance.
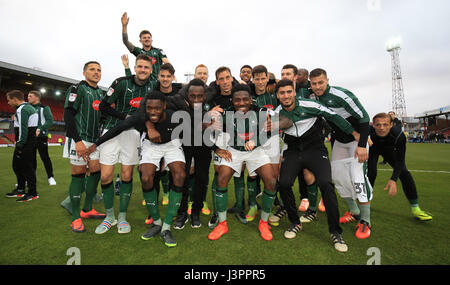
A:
(417, 170)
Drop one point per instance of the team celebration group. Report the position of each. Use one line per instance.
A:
(170, 132)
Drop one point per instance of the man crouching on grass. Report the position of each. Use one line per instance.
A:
(389, 141)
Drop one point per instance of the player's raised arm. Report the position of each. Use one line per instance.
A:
(125, 19)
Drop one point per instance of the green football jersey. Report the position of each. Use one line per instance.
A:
(266, 100)
(344, 103)
(245, 127)
(156, 55)
(304, 93)
(85, 100)
(127, 96)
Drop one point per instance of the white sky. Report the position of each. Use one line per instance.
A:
(346, 37)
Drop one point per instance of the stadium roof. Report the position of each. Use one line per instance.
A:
(26, 79)
(37, 72)
(434, 113)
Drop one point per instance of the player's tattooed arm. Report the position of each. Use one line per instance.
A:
(125, 19)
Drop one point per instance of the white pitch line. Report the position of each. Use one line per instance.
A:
(415, 170)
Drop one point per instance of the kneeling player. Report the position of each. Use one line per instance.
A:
(390, 142)
(242, 148)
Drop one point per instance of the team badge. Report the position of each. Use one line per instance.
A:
(72, 97)
(110, 91)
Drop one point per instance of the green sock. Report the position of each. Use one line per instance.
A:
(174, 204)
(251, 187)
(151, 201)
(267, 203)
(126, 188)
(365, 212)
(165, 182)
(108, 195)
(86, 178)
(352, 206)
(75, 188)
(91, 190)
(239, 190)
(312, 196)
(414, 203)
(213, 192)
(222, 203)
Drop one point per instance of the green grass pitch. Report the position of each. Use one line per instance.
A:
(38, 232)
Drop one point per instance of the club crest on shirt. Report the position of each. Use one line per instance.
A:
(110, 91)
(72, 97)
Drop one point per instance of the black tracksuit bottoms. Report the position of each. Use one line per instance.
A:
(315, 159)
(23, 167)
(42, 148)
(202, 160)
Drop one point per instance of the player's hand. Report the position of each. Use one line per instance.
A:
(225, 154)
(125, 61)
(88, 152)
(217, 108)
(355, 135)
(80, 148)
(268, 124)
(38, 131)
(215, 119)
(362, 154)
(125, 19)
(250, 145)
(370, 142)
(392, 187)
(154, 135)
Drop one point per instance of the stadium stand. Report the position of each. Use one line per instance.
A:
(4, 107)
(57, 108)
(2, 141)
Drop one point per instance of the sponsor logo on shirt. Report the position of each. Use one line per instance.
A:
(246, 136)
(153, 59)
(135, 102)
(269, 106)
(95, 105)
